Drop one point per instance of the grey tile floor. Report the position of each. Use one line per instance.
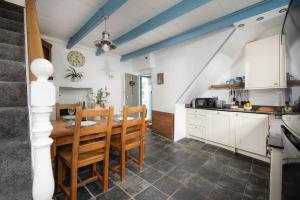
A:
(187, 169)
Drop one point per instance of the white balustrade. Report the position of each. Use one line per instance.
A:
(42, 97)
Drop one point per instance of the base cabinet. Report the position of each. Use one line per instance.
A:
(196, 123)
(196, 131)
(251, 131)
(244, 131)
(220, 128)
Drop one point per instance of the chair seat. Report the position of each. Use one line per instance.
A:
(84, 159)
(130, 144)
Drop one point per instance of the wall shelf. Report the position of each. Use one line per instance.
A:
(293, 83)
(236, 86)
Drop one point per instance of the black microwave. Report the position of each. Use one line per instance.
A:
(204, 102)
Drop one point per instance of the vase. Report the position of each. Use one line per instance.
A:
(75, 79)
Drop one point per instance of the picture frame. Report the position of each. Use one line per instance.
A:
(160, 78)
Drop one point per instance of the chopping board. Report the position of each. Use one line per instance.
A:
(265, 109)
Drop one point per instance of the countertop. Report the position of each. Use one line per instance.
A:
(254, 110)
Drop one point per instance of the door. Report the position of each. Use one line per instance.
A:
(263, 63)
(220, 129)
(131, 90)
(251, 131)
(146, 94)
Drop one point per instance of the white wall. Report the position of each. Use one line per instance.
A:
(95, 72)
(181, 64)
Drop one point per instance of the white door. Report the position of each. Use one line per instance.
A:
(251, 131)
(220, 129)
(263, 63)
(132, 86)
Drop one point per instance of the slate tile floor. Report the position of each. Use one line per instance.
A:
(187, 169)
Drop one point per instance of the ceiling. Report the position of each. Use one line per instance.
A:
(63, 18)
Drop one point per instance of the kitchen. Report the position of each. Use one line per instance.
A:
(137, 99)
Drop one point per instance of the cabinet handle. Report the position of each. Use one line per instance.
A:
(236, 114)
(218, 112)
(275, 83)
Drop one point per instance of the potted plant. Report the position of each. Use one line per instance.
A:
(75, 75)
(101, 97)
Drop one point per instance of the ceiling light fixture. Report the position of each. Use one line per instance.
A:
(260, 18)
(282, 10)
(105, 43)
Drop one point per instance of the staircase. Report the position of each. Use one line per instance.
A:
(15, 148)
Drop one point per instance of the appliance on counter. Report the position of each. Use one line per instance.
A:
(204, 102)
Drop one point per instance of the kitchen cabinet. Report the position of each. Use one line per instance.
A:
(220, 130)
(244, 131)
(251, 131)
(196, 123)
(265, 63)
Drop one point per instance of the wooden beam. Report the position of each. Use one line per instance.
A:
(110, 7)
(175, 11)
(212, 26)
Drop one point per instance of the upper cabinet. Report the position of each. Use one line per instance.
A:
(265, 63)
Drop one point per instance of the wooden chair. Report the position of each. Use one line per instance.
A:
(60, 107)
(90, 145)
(130, 140)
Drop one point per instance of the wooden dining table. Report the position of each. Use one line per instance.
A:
(62, 133)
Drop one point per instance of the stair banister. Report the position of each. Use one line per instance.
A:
(34, 41)
(42, 101)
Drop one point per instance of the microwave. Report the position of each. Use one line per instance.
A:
(204, 102)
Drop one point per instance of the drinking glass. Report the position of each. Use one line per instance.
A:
(71, 111)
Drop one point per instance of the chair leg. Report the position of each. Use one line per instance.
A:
(73, 186)
(141, 156)
(60, 172)
(94, 169)
(127, 155)
(123, 163)
(105, 174)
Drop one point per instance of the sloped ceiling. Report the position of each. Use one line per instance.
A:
(62, 18)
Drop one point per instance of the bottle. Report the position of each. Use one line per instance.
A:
(83, 107)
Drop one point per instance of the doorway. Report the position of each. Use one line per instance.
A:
(146, 94)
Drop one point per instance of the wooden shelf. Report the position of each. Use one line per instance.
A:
(293, 83)
(237, 86)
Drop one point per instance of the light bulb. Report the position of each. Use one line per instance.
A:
(105, 47)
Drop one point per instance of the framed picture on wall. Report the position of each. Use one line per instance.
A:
(160, 78)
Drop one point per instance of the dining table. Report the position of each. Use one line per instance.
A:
(62, 132)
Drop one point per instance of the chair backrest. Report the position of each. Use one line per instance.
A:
(132, 129)
(91, 138)
(60, 107)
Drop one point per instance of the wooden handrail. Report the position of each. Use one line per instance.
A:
(35, 49)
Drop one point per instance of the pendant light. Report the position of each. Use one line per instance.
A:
(105, 43)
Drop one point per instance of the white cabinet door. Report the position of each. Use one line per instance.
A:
(196, 131)
(251, 131)
(196, 123)
(263, 63)
(220, 130)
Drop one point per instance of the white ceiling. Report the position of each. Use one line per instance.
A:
(62, 18)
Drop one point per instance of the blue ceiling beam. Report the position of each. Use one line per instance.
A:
(110, 7)
(175, 11)
(212, 26)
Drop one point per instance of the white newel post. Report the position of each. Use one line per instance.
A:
(42, 102)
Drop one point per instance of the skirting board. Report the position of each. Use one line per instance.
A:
(252, 155)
